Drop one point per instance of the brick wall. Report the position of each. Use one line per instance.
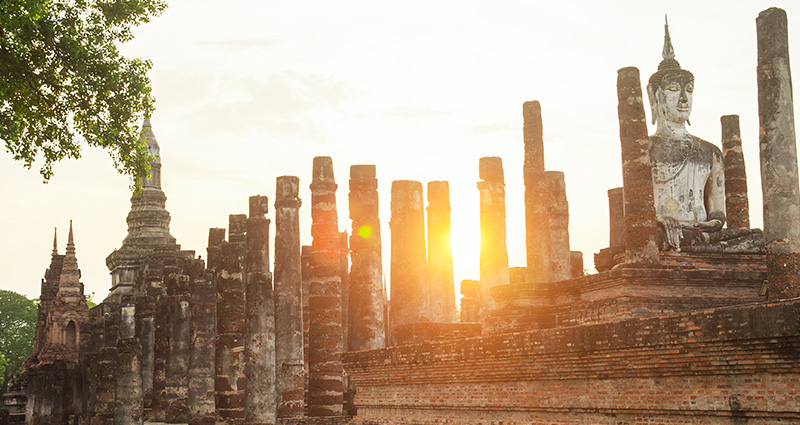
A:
(720, 366)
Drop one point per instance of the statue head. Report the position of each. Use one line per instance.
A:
(670, 87)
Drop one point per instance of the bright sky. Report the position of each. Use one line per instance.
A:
(250, 90)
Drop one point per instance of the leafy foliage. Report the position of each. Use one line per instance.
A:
(61, 75)
(17, 324)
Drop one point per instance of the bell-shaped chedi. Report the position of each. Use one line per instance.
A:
(148, 224)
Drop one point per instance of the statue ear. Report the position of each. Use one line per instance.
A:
(651, 95)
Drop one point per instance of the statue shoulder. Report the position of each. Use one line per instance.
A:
(707, 147)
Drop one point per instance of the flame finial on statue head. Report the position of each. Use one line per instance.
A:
(667, 52)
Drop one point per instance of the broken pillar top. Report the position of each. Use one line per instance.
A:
(322, 173)
(259, 206)
(287, 191)
(490, 168)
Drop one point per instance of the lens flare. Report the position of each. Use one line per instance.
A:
(365, 231)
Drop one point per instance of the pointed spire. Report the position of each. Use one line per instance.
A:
(667, 52)
(55, 241)
(70, 241)
(150, 138)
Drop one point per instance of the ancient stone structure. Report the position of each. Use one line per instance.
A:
(494, 254)
(575, 264)
(366, 303)
(259, 349)
(409, 299)
(442, 301)
(62, 309)
(537, 224)
(736, 204)
(779, 179)
(288, 299)
(608, 257)
(641, 233)
(558, 215)
(325, 333)
(231, 382)
(669, 337)
(688, 172)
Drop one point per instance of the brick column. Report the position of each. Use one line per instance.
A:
(471, 302)
(325, 339)
(616, 217)
(203, 306)
(128, 407)
(408, 269)
(177, 367)
(305, 267)
(442, 298)
(366, 319)
(230, 378)
(559, 225)
(641, 232)
(160, 352)
(779, 175)
(537, 227)
(494, 253)
(344, 277)
(288, 299)
(575, 264)
(259, 348)
(737, 213)
(216, 236)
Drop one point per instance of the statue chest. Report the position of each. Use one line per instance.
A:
(680, 172)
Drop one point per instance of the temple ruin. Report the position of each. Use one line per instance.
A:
(685, 322)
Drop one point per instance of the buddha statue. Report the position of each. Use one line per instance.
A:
(688, 172)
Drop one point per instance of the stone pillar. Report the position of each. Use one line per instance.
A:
(305, 268)
(471, 302)
(442, 298)
(616, 217)
(779, 175)
(494, 254)
(559, 226)
(288, 297)
(366, 318)
(216, 236)
(409, 295)
(230, 378)
(145, 327)
(537, 225)
(325, 339)
(203, 313)
(128, 408)
(344, 277)
(641, 232)
(177, 368)
(160, 352)
(737, 213)
(259, 349)
(575, 264)
(106, 368)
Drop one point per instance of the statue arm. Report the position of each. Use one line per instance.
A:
(714, 197)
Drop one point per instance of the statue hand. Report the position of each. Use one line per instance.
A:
(709, 226)
(673, 230)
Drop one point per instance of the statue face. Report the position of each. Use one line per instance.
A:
(674, 98)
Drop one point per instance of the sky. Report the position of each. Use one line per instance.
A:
(248, 90)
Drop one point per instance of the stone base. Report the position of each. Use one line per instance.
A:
(683, 282)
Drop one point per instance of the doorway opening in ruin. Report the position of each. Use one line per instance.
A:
(71, 335)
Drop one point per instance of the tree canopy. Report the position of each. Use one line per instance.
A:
(63, 81)
(17, 324)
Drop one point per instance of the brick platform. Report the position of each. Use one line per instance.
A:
(709, 367)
